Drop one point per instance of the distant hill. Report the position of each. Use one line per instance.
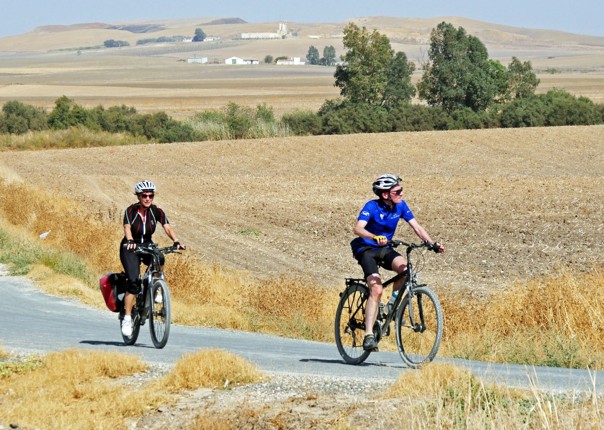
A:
(399, 30)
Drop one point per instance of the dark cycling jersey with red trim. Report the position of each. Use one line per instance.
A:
(143, 223)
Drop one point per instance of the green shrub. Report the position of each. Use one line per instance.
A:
(343, 117)
(467, 119)
(302, 123)
(239, 120)
(524, 112)
(19, 118)
(566, 109)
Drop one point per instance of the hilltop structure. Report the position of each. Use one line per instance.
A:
(281, 33)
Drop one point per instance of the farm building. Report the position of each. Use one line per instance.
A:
(296, 61)
(281, 32)
(198, 60)
(237, 60)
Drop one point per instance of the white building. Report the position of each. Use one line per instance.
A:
(295, 61)
(281, 32)
(237, 60)
(198, 60)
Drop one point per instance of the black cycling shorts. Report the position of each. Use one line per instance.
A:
(373, 258)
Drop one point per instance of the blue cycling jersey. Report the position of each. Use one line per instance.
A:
(381, 221)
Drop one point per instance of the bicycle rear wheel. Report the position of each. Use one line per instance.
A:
(159, 318)
(419, 327)
(350, 324)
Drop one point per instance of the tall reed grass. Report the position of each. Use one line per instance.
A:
(445, 396)
(551, 321)
(75, 137)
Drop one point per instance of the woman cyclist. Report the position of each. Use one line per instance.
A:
(140, 221)
(375, 226)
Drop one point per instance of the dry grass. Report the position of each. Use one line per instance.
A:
(444, 396)
(76, 390)
(552, 321)
(61, 139)
(211, 368)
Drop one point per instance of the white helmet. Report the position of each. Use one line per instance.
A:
(385, 183)
(143, 186)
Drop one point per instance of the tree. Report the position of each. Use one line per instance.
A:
(200, 36)
(313, 55)
(459, 74)
(522, 81)
(398, 86)
(19, 118)
(115, 43)
(67, 114)
(329, 56)
(268, 59)
(372, 71)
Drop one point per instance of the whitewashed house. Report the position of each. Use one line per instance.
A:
(237, 60)
(197, 60)
(295, 61)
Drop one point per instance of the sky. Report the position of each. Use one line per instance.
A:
(579, 16)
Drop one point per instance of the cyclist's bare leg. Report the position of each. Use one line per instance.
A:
(375, 293)
(129, 300)
(399, 265)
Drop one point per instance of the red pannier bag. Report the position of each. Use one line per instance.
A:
(113, 288)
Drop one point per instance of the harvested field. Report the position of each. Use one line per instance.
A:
(509, 204)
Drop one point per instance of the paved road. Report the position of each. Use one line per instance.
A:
(34, 322)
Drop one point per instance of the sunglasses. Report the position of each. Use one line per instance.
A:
(398, 192)
(147, 196)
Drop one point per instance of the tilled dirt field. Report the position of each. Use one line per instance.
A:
(508, 204)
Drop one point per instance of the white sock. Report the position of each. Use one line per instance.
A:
(127, 318)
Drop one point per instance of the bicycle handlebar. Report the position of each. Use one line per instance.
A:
(431, 246)
(154, 249)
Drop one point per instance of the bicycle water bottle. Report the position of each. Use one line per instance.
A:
(391, 301)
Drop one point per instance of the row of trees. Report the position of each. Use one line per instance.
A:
(328, 58)
(457, 75)
(554, 108)
(19, 118)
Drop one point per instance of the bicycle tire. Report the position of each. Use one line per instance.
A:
(350, 324)
(136, 327)
(418, 343)
(160, 314)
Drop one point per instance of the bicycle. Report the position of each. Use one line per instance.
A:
(153, 301)
(417, 315)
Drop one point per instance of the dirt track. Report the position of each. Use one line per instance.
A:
(507, 203)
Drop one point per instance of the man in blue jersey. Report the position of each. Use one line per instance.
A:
(375, 226)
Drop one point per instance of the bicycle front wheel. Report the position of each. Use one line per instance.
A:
(136, 326)
(350, 324)
(159, 317)
(419, 327)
